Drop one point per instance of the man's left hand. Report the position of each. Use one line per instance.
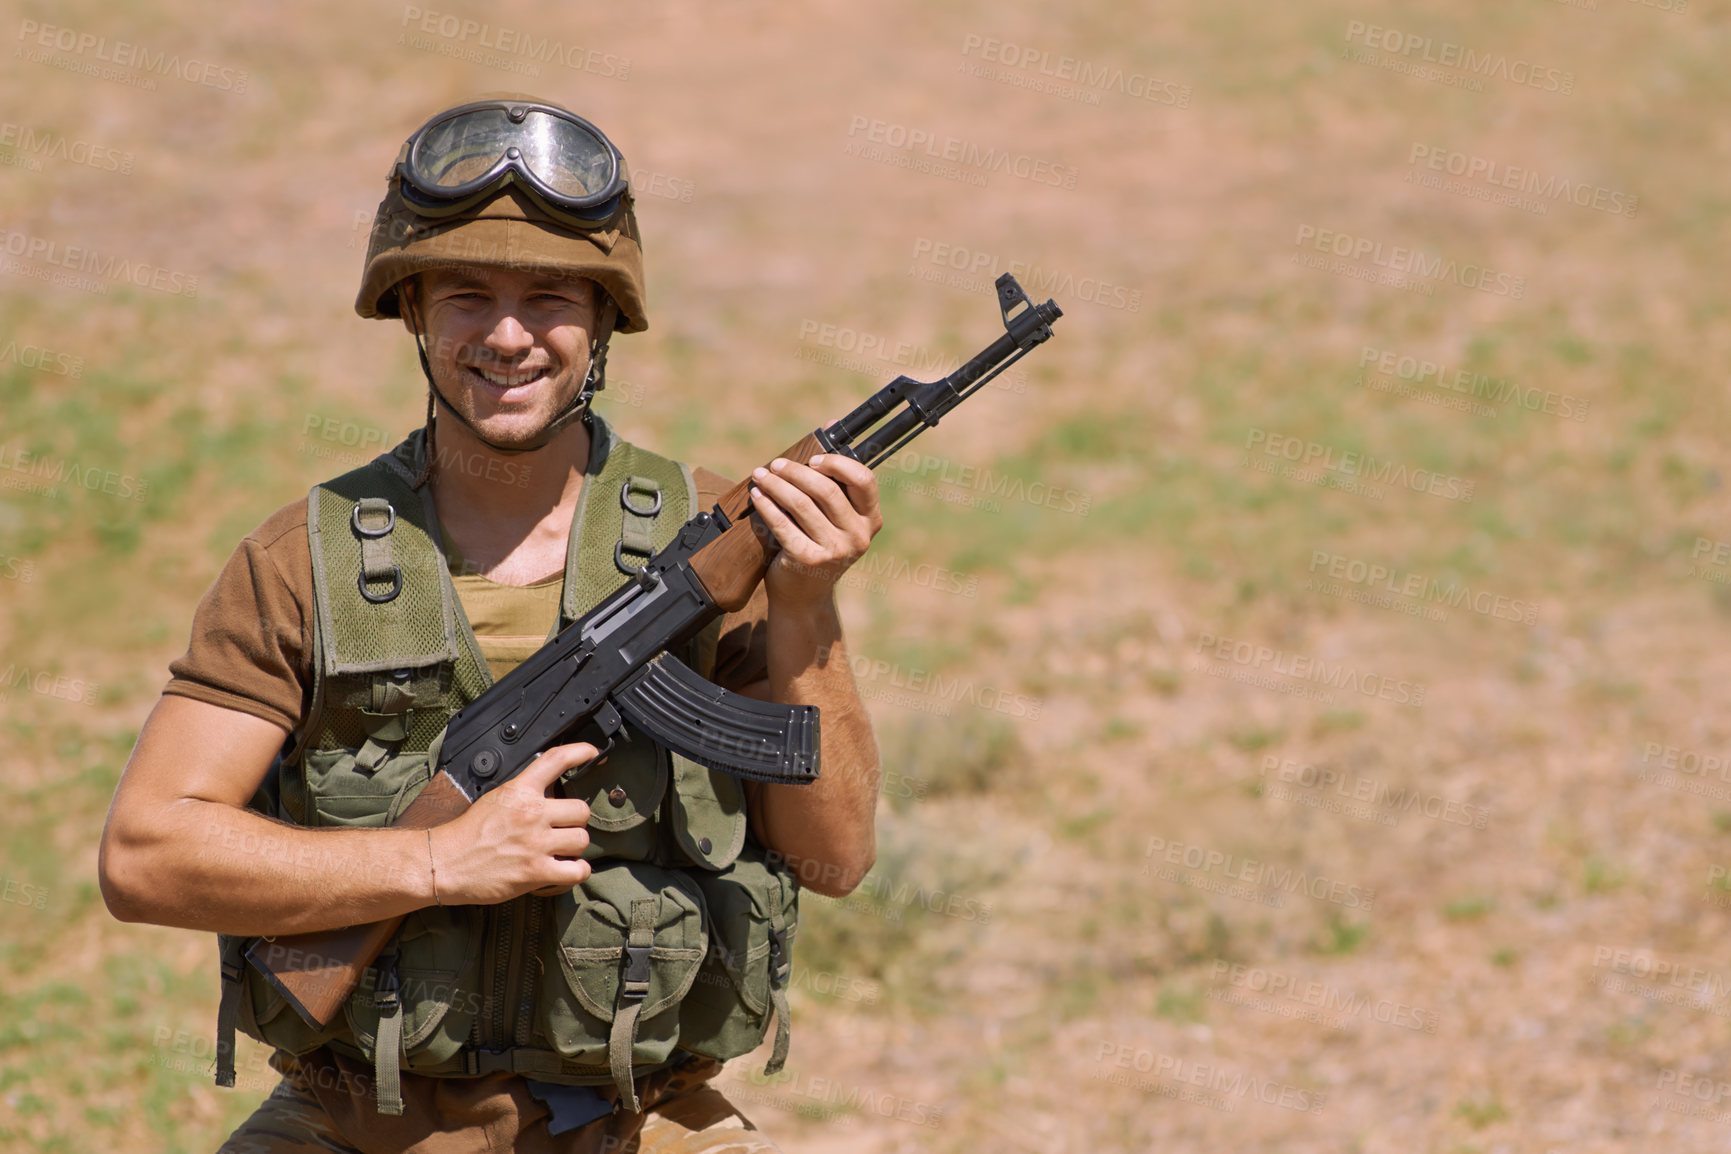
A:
(824, 515)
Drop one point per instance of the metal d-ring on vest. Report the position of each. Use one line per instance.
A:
(375, 540)
(636, 531)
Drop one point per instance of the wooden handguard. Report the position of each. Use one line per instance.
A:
(733, 564)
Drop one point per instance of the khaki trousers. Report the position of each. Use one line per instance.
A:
(323, 1105)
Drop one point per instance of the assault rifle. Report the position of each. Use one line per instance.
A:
(612, 669)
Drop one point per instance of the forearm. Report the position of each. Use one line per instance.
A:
(827, 828)
(207, 865)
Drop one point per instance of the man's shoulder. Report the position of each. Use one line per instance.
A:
(278, 552)
(282, 527)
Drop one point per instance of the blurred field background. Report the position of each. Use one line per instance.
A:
(1507, 928)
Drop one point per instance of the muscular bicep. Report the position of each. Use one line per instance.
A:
(191, 750)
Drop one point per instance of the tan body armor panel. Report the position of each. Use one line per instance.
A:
(681, 938)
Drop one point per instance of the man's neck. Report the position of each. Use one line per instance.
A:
(509, 514)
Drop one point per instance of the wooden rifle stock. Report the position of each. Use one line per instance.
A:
(318, 971)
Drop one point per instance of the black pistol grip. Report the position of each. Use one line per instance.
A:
(716, 727)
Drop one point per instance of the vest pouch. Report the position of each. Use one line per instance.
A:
(265, 1016)
(345, 793)
(438, 959)
(708, 812)
(625, 948)
(753, 911)
(622, 793)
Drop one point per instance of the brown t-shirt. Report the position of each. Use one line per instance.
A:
(252, 634)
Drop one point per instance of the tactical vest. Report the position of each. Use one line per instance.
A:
(681, 938)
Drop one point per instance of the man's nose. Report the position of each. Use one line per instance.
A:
(508, 337)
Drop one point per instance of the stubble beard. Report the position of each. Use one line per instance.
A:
(508, 424)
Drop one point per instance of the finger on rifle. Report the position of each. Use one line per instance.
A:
(550, 764)
(857, 481)
(787, 534)
(799, 507)
(828, 495)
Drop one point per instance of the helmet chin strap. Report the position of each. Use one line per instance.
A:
(577, 410)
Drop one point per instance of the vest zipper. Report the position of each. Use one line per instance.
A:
(504, 928)
(530, 972)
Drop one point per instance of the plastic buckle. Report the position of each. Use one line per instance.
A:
(385, 982)
(777, 953)
(636, 982)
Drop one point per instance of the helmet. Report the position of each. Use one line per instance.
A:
(507, 181)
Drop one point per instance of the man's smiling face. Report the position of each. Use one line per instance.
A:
(509, 348)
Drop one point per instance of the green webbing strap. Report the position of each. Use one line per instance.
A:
(382, 597)
(640, 500)
(387, 721)
(633, 988)
(633, 503)
(374, 519)
(228, 1009)
(780, 968)
(383, 735)
(388, 1046)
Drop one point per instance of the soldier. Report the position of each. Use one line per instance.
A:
(346, 630)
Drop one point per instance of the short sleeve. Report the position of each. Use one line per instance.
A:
(251, 644)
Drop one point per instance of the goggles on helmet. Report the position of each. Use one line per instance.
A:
(461, 156)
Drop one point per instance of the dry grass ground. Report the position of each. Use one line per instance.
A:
(1141, 887)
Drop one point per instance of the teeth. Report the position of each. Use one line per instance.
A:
(507, 380)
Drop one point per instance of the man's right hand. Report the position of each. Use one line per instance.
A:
(182, 848)
(516, 840)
